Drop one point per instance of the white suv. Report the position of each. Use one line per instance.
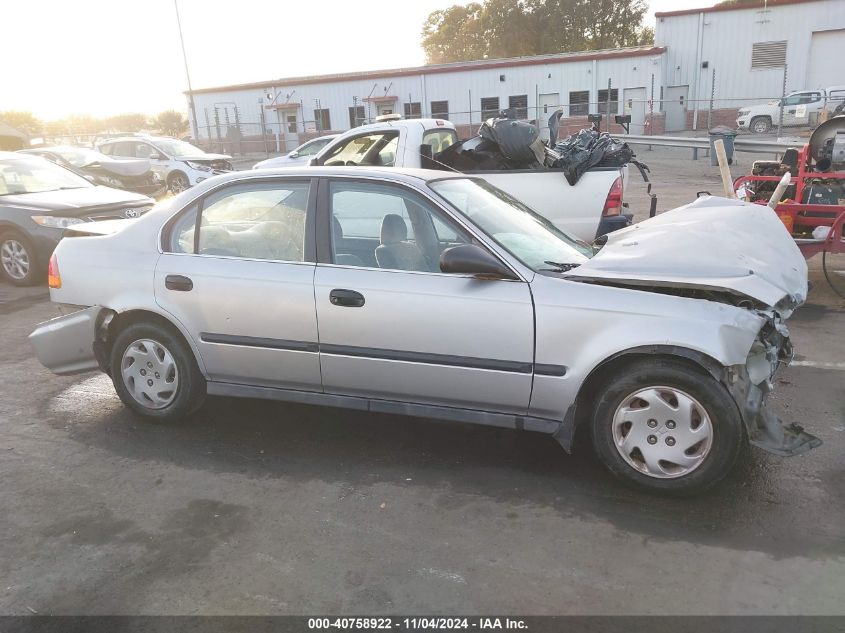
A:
(180, 164)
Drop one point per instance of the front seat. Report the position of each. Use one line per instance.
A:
(394, 252)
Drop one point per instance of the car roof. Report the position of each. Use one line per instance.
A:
(397, 174)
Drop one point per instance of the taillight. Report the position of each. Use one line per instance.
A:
(613, 204)
(54, 279)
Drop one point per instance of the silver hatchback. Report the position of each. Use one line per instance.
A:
(440, 296)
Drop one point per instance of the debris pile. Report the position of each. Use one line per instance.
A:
(504, 143)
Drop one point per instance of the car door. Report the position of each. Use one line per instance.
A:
(237, 271)
(159, 163)
(392, 326)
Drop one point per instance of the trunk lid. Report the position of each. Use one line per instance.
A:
(711, 244)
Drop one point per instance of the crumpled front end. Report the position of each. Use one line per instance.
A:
(751, 383)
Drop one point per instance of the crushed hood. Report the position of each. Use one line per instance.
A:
(712, 244)
(126, 167)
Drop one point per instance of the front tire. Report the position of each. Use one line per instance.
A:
(155, 373)
(178, 182)
(665, 426)
(18, 260)
(761, 124)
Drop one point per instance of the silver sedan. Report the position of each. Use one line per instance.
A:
(440, 296)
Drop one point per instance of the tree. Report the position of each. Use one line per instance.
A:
(512, 28)
(25, 122)
(133, 122)
(454, 34)
(171, 123)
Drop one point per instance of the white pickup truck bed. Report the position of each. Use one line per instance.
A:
(577, 209)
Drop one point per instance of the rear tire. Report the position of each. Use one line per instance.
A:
(761, 124)
(18, 260)
(155, 373)
(665, 426)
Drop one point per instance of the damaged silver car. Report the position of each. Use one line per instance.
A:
(440, 296)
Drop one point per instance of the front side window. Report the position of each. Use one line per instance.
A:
(251, 221)
(376, 150)
(313, 147)
(528, 236)
(390, 227)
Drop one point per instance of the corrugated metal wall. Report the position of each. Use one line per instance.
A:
(725, 39)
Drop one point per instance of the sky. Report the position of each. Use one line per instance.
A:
(105, 57)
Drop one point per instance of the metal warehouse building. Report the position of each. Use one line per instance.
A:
(706, 63)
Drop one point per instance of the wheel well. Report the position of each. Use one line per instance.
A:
(121, 320)
(618, 363)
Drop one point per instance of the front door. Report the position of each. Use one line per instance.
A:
(548, 104)
(392, 326)
(675, 105)
(635, 105)
(239, 278)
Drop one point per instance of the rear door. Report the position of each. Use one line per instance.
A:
(237, 271)
(392, 326)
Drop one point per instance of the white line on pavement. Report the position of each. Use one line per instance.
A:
(818, 364)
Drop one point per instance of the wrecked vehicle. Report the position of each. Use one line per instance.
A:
(440, 296)
(129, 174)
(591, 208)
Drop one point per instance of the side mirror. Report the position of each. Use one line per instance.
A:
(293, 154)
(473, 260)
(427, 156)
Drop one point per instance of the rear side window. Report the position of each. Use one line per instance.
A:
(262, 221)
(106, 149)
(124, 148)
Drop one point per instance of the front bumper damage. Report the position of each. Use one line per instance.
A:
(750, 385)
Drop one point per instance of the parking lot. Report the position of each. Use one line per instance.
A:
(259, 507)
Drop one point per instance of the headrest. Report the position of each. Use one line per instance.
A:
(393, 229)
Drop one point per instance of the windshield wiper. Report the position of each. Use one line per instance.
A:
(558, 267)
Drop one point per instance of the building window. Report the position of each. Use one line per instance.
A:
(322, 119)
(489, 107)
(291, 119)
(357, 115)
(614, 101)
(768, 54)
(519, 105)
(413, 110)
(440, 110)
(579, 103)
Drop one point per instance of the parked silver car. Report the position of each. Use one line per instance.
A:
(418, 292)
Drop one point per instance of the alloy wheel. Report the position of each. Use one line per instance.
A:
(662, 432)
(179, 183)
(15, 259)
(149, 373)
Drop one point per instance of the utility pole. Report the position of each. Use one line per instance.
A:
(187, 74)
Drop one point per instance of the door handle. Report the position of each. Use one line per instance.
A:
(347, 298)
(178, 282)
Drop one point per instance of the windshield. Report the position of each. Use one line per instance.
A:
(80, 156)
(529, 237)
(177, 148)
(36, 175)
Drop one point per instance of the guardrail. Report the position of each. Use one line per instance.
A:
(741, 144)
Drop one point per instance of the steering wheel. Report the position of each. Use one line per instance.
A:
(351, 163)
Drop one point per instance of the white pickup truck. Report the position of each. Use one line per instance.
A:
(798, 109)
(588, 209)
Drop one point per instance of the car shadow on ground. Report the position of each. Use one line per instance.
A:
(757, 508)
